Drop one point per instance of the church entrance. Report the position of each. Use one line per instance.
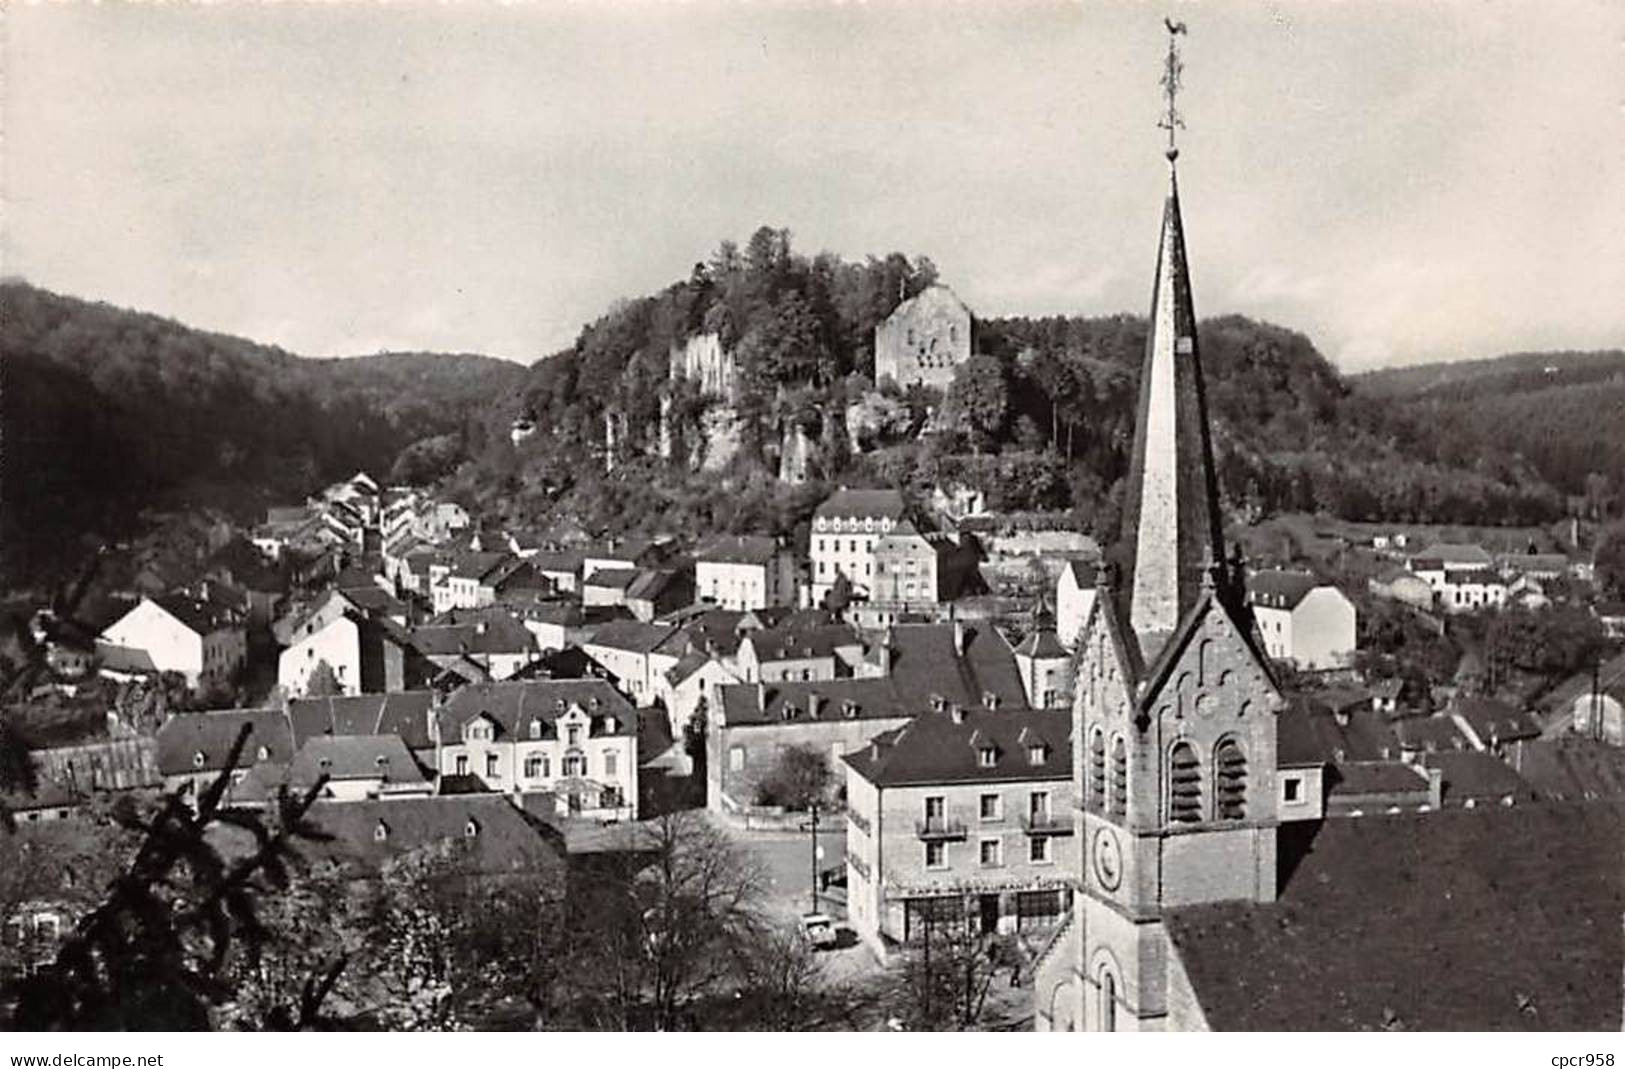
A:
(989, 913)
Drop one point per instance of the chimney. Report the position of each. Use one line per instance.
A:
(479, 628)
(959, 638)
(874, 751)
(1341, 716)
(761, 694)
(957, 713)
(886, 652)
(815, 703)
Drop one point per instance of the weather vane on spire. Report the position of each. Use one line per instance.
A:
(1172, 69)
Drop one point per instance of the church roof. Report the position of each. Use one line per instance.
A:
(1482, 919)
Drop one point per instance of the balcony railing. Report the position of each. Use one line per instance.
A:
(940, 828)
(1046, 823)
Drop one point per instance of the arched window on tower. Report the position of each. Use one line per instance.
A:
(1108, 1001)
(1230, 781)
(1097, 769)
(1117, 803)
(1184, 785)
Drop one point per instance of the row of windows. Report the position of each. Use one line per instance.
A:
(989, 852)
(825, 568)
(1186, 782)
(852, 545)
(540, 765)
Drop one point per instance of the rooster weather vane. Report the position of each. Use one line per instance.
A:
(1171, 71)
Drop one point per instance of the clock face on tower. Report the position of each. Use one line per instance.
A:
(1108, 859)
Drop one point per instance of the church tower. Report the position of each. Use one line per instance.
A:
(1175, 710)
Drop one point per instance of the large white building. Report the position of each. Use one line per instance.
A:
(1309, 624)
(845, 529)
(574, 739)
(1074, 597)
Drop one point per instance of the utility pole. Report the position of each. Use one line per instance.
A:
(815, 857)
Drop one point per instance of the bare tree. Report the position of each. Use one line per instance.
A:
(665, 925)
(945, 976)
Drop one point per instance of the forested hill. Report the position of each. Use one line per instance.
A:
(107, 411)
(1042, 417)
(1498, 374)
(1562, 412)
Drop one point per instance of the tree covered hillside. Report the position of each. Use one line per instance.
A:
(107, 411)
(1563, 413)
(1042, 417)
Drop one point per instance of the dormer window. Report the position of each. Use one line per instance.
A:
(382, 760)
(990, 700)
(850, 710)
(610, 725)
(1037, 753)
(573, 734)
(471, 829)
(263, 753)
(987, 756)
(535, 728)
(381, 832)
(198, 759)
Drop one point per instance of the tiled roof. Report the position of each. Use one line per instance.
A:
(477, 565)
(1486, 919)
(934, 748)
(862, 503)
(744, 704)
(650, 583)
(1354, 778)
(557, 561)
(402, 713)
(612, 578)
(1430, 734)
(492, 630)
(499, 838)
(1083, 573)
(514, 705)
(375, 601)
(1279, 589)
(184, 736)
(633, 635)
(1041, 644)
(791, 644)
(199, 615)
(1456, 553)
(738, 549)
(342, 757)
(924, 662)
(1481, 777)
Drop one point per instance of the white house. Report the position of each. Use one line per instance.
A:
(627, 649)
(745, 572)
(689, 688)
(1471, 589)
(1309, 624)
(1074, 597)
(576, 739)
(845, 529)
(337, 643)
(200, 639)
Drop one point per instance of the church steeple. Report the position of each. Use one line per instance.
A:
(1171, 512)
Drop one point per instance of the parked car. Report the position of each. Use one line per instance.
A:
(819, 930)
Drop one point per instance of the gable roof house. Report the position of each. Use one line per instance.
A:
(193, 748)
(199, 638)
(1304, 622)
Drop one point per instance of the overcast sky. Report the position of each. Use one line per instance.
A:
(1401, 181)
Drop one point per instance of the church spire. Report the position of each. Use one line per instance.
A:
(1171, 511)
